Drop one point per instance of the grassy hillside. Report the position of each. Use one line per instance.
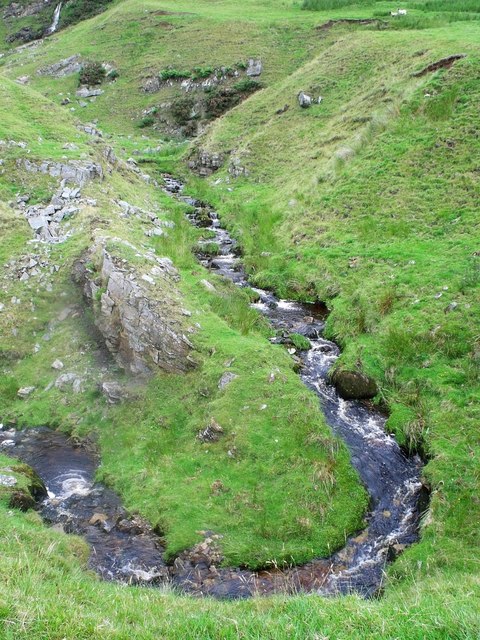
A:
(367, 201)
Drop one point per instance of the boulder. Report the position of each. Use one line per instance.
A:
(353, 385)
(255, 68)
(304, 100)
(24, 392)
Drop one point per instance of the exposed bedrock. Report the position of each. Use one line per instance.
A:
(138, 314)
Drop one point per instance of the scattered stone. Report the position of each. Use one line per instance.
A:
(451, 307)
(23, 80)
(113, 392)
(58, 365)
(226, 379)
(24, 392)
(67, 380)
(211, 433)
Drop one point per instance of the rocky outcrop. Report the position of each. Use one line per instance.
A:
(45, 220)
(138, 314)
(77, 171)
(62, 68)
(353, 385)
(22, 10)
(205, 163)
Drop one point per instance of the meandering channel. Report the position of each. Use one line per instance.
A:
(127, 549)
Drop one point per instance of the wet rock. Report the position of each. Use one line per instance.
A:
(226, 379)
(24, 392)
(353, 385)
(98, 519)
(141, 323)
(211, 433)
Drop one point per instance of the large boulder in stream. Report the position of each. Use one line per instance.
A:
(353, 385)
(138, 309)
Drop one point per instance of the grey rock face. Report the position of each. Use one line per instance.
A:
(45, 220)
(226, 379)
(140, 320)
(62, 68)
(87, 92)
(22, 10)
(205, 163)
(255, 68)
(76, 171)
(353, 385)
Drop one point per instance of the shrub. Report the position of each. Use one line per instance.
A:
(147, 121)
(181, 110)
(201, 73)
(92, 73)
(300, 342)
(173, 74)
(247, 85)
(77, 10)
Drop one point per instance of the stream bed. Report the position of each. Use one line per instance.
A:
(126, 549)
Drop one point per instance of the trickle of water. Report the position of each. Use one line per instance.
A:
(56, 19)
(126, 549)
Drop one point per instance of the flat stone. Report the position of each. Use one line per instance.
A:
(24, 392)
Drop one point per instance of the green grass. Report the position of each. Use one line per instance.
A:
(151, 453)
(367, 201)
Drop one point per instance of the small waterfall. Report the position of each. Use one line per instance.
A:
(56, 19)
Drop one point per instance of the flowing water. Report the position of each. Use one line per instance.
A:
(56, 19)
(127, 549)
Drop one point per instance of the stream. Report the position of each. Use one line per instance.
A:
(126, 549)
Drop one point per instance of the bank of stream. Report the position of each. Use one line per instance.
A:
(126, 548)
